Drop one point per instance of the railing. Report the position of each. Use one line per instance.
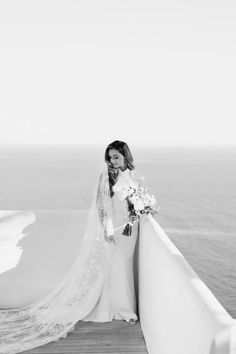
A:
(178, 312)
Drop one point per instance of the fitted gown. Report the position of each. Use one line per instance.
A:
(117, 299)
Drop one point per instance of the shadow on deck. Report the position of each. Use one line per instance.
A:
(97, 337)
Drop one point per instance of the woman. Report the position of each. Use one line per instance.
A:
(100, 284)
(117, 300)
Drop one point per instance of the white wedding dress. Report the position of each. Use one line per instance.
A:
(117, 299)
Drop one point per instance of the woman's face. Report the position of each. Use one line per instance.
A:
(117, 159)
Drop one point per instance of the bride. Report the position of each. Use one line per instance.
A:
(100, 285)
(117, 300)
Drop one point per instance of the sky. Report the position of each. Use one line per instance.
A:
(145, 72)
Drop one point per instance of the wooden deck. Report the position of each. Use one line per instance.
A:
(96, 337)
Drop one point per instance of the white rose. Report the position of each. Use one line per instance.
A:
(138, 205)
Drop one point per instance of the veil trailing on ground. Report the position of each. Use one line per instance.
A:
(56, 314)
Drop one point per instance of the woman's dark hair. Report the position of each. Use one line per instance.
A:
(123, 148)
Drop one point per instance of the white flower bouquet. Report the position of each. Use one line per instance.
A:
(139, 202)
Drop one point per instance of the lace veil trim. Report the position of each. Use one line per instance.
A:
(56, 314)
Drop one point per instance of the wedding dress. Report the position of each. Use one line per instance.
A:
(98, 287)
(117, 300)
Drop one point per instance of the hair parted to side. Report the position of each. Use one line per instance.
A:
(123, 148)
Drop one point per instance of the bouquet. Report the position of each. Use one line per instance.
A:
(139, 202)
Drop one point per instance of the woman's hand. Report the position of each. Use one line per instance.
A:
(110, 238)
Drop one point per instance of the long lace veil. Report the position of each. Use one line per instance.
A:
(56, 314)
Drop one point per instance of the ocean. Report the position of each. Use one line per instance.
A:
(194, 187)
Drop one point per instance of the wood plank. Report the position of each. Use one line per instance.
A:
(115, 337)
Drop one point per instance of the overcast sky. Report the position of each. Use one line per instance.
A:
(149, 72)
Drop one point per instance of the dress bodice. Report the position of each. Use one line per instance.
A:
(125, 178)
(119, 205)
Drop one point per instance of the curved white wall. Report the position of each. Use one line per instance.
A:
(39, 248)
(178, 313)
